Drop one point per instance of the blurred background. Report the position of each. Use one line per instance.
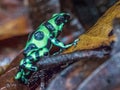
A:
(18, 18)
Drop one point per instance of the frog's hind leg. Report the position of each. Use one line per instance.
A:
(21, 76)
(26, 63)
(29, 66)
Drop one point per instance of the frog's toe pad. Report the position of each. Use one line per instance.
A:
(75, 42)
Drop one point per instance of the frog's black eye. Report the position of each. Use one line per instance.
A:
(59, 20)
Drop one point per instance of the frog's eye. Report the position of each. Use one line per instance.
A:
(59, 20)
(49, 26)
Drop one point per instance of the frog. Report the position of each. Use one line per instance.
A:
(40, 43)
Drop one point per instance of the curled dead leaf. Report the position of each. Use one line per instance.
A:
(98, 35)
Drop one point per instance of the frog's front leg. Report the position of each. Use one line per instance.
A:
(60, 44)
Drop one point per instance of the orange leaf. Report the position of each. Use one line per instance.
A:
(98, 35)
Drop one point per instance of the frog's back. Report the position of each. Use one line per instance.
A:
(38, 40)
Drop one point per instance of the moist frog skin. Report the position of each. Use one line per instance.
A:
(40, 43)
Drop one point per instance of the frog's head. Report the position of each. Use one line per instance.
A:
(59, 20)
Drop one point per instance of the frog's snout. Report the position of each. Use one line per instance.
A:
(66, 17)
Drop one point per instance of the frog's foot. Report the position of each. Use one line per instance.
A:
(75, 42)
(22, 76)
(23, 79)
(18, 75)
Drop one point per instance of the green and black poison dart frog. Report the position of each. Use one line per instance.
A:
(40, 43)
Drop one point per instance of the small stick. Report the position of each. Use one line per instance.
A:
(53, 61)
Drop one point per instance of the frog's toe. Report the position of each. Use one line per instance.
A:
(31, 67)
(75, 42)
(18, 75)
(24, 79)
